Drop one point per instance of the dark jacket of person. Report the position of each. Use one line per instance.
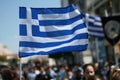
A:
(44, 76)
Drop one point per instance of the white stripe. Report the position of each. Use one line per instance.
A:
(90, 20)
(53, 39)
(87, 15)
(56, 28)
(98, 24)
(73, 43)
(97, 18)
(95, 28)
(29, 14)
(58, 16)
(93, 20)
(29, 21)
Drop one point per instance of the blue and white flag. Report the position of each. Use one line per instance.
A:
(51, 30)
(94, 25)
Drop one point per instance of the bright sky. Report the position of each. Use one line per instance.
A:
(9, 19)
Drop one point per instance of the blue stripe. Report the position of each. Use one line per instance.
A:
(63, 49)
(98, 31)
(91, 17)
(23, 30)
(59, 22)
(36, 31)
(44, 45)
(83, 14)
(60, 10)
(22, 12)
(91, 24)
(98, 21)
(36, 11)
(97, 36)
(98, 26)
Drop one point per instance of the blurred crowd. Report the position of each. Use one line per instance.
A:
(38, 71)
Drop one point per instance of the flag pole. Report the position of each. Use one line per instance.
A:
(97, 49)
(20, 68)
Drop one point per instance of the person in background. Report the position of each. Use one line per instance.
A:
(6, 73)
(115, 74)
(106, 71)
(65, 78)
(43, 74)
(31, 73)
(78, 75)
(52, 73)
(97, 78)
(96, 68)
(70, 75)
(89, 72)
(61, 73)
(1, 77)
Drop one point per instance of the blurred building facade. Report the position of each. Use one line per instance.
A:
(4, 51)
(107, 8)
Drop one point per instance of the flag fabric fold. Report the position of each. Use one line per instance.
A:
(51, 30)
(94, 25)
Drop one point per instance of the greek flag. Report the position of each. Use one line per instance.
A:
(94, 25)
(51, 30)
